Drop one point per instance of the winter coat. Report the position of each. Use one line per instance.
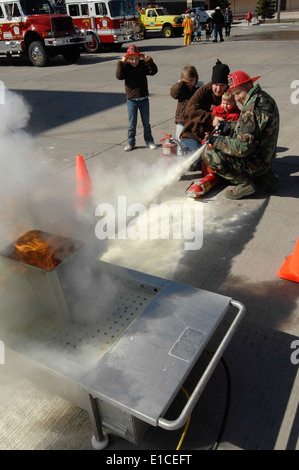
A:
(198, 113)
(254, 136)
(135, 78)
(232, 114)
(228, 17)
(181, 92)
(218, 18)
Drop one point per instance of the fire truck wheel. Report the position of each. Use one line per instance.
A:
(37, 54)
(167, 32)
(94, 45)
(71, 53)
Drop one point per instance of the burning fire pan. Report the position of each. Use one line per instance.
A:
(116, 342)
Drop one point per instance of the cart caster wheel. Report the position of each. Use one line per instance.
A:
(99, 445)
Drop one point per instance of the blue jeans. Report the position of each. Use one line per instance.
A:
(190, 145)
(218, 30)
(189, 148)
(143, 106)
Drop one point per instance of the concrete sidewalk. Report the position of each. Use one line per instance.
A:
(81, 109)
(283, 16)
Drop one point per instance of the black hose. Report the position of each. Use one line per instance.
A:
(227, 405)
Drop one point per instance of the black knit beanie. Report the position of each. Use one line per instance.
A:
(220, 72)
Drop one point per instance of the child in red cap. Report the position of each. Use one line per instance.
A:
(133, 68)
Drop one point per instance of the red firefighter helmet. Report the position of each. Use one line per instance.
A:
(238, 78)
(133, 50)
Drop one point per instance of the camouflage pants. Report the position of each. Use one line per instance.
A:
(231, 168)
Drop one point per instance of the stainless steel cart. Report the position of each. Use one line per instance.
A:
(123, 355)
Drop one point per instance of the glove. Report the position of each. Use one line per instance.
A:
(224, 127)
(210, 139)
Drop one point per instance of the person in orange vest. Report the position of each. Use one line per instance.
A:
(188, 27)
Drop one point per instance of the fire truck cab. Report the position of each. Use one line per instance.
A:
(32, 28)
(109, 22)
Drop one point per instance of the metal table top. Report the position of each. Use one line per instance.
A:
(144, 369)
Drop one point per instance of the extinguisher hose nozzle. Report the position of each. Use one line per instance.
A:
(192, 182)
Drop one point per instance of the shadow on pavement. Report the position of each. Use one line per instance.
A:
(52, 109)
(259, 356)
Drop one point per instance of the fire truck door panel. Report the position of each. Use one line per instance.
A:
(2, 20)
(100, 17)
(85, 15)
(151, 19)
(12, 28)
(79, 13)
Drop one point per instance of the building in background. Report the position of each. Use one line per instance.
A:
(239, 7)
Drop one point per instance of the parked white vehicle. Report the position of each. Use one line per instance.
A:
(204, 15)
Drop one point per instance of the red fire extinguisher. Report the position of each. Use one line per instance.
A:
(169, 146)
(202, 186)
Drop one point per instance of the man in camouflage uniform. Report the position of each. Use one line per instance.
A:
(245, 156)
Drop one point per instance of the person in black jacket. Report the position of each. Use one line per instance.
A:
(133, 68)
(228, 19)
(218, 23)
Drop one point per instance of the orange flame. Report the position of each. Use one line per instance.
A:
(42, 250)
(31, 249)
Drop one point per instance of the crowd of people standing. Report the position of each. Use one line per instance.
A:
(218, 22)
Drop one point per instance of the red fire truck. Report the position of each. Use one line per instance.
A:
(109, 22)
(31, 27)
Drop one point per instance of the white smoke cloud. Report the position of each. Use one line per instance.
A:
(14, 113)
(32, 195)
(144, 183)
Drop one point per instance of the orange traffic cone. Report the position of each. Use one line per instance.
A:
(84, 185)
(290, 268)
